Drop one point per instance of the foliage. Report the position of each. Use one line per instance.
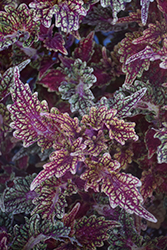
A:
(83, 124)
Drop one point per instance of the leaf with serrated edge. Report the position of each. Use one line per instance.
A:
(26, 115)
(61, 161)
(34, 231)
(121, 188)
(85, 48)
(92, 231)
(18, 199)
(52, 197)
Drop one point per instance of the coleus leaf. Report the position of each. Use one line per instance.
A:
(151, 142)
(133, 17)
(69, 219)
(35, 232)
(48, 60)
(121, 188)
(161, 134)
(44, 11)
(156, 243)
(52, 198)
(96, 143)
(26, 115)
(4, 118)
(89, 232)
(124, 104)
(154, 34)
(54, 42)
(6, 221)
(67, 14)
(144, 10)
(85, 48)
(62, 161)
(107, 67)
(118, 129)
(154, 98)
(162, 5)
(124, 156)
(126, 235)
(147, 53)
(76, 87)
(153, 176)
(69, 125)
(4, 240)
(151, 179)
(161, 54)
(133, 69)
(92, 231)
(102, 19)
(18, 24)
(117, 6)
(18, 199)
(6, 80)
(53, 79)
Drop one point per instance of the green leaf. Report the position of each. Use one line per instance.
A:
(17, 24)
(18, 199)
(35, 232)
(51, 198)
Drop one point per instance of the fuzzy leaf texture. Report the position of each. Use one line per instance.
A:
(121, 188)
(26, 115)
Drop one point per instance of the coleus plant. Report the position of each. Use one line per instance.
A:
(83, 124)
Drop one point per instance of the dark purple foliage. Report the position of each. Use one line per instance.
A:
(83, 124)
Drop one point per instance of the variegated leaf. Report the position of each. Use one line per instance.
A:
(92, 231)
(118, 129)
(67, 14)
(51, 200)
(117, 6)
(18, 199)
(18, 24)
(61, 161)
(26, 111)
(121, 188)
(34, 233)
(6, 81)
(128, 48)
